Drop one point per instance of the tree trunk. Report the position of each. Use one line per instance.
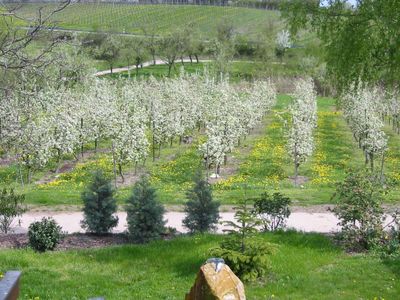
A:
(20, 174)
(114, 165)
(120, 173)
(382, 164)
(169, 70)
(371, 159)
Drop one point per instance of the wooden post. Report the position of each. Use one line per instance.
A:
(9, 286)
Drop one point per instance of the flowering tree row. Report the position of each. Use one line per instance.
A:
(389, 108)
(235, 113)
(362, 109)
(134, 116)
(303, 112)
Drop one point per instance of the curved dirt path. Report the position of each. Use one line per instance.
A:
(145, 64)
(159, 62)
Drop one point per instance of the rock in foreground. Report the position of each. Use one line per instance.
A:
(216, 281)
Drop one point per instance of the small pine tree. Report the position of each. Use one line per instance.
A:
(144, 213)
(99, 205)
(202, 213)
(245, 253)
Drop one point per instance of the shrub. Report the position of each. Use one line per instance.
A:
(99, 205)
(245, 254)
(248, 264)
(359, 209)
(11, 206)
(389, 246)
(144, 213)
(272, 210)
(44, 235)
(202, 213)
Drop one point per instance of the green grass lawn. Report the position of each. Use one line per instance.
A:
(305, 266)
(160, 19)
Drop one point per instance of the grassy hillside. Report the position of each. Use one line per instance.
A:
(158, 19)
(305, 266)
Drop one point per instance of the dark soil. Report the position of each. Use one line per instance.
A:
(72, 241)
(76, 240)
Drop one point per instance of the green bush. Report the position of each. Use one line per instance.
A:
(359, 209)
(389, 245)
(99, 205)
(248, 264)
(144, 213)
(272, 210)
(11, 206)
(44, 235)
(202, 212)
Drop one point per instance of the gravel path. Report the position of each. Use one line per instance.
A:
(70, 221)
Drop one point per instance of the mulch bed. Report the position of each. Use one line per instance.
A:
(71, 241)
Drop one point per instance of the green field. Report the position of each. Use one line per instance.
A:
(238, 70)
(261, 162)
(304, 266)
(158, 19)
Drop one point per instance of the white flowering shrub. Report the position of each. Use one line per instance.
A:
(303, 112)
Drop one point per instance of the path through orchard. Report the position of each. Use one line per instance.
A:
(323, 222)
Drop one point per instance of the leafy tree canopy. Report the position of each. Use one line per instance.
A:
(362, 41)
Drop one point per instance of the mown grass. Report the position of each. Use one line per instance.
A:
(304, 266)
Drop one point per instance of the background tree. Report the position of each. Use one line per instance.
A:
(360, 41)
(14, 43)
(109, 50)
(144, 213)
(152, 41)
(202, 213)
(282, 43)
(99, 205)
(139, 53)
(222, 48)
(171, 48)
